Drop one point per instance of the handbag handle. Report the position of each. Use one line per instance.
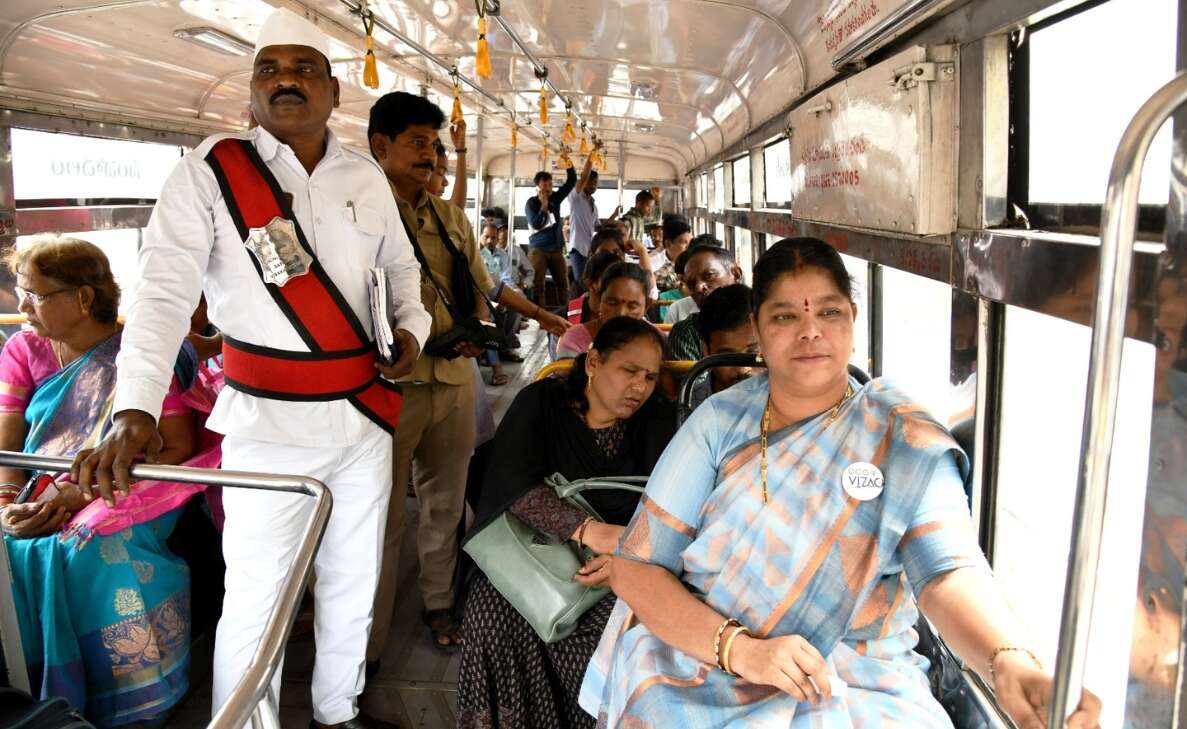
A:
(570, 491)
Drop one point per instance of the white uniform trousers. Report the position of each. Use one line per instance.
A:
(260, 537)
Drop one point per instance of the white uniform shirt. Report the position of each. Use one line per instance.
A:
(348, 215)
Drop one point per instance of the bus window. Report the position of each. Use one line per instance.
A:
(742, 182)
(51, 169)
(1074, 131)
(744, 253)
(703, 190)
(916, 343)
(777, 174)
(1044, 378)
(719, 195)
(859, 271)
(719, 232)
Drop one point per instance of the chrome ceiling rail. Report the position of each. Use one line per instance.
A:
(356, 8)
(894, 23)
(253, 687)
(1118, 226)
(540, 68)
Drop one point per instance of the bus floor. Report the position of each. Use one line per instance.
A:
(417, 684)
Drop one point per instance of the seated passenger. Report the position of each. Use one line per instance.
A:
(677, 236)
(623, 292)
(725, 327)
(608, 238)
(583, 307)
(758, 575)
(655, 235)
(601, 421)
(102, 603)
(706, 274)
(706, 269)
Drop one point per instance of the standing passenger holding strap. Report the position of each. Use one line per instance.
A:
(280, 225)
(772, 573)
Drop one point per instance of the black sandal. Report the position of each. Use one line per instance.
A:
(446, 633)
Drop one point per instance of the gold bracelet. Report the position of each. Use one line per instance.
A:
(717, 640)
(729, 643)
(1005, 649)
(581, 532)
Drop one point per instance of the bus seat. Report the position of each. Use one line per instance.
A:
(561, 367)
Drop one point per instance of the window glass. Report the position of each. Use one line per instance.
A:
(520, 229)
(916, 346)
(1074, 131)
(742, 182)
(63, 167)
(719, 187)
(744, 253)
(719, 232)
(777, 173)
(703, 191)
(859, 271)
(1043, 385)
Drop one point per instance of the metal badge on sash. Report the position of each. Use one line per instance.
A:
(279, 253)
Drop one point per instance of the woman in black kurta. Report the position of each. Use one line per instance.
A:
(603, 420)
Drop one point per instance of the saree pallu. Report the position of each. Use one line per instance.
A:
(813, 561)
(103, 605)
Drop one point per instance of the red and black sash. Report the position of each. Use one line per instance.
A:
(341, 359)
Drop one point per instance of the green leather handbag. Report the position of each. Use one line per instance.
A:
(533, 570)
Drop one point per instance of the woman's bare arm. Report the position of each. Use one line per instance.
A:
(12, 438)
(180, 438)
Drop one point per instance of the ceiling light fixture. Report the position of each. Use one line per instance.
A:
(215, 40)
(645, 127)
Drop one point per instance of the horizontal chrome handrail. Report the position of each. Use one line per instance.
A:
(1118, 229)
(252, 688)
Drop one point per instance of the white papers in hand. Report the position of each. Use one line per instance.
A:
(381, 321)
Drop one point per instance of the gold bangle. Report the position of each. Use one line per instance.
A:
(581, 532)
(717, 640)
(729, 643)
(1005, 649)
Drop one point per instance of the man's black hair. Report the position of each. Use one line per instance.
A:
(726, 308)
(395, 112)
(721, 252)
(643, 198)
(541, 175)
(706, 239)
(675, 226)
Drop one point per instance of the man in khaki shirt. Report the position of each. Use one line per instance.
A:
(437, 428)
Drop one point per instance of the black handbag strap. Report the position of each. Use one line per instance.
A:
(458, 257)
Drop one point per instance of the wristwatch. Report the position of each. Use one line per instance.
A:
(459, 150)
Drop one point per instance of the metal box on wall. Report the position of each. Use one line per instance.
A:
(878, 150)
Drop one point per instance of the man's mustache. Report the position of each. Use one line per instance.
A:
(286, 92)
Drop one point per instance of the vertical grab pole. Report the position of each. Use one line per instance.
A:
(1118, 223)
(10, 629)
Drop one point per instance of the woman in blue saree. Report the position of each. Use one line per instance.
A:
(103, 604)
(790, 535)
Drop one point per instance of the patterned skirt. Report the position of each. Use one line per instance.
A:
(510, 679)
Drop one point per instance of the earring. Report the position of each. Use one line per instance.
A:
(758, 358)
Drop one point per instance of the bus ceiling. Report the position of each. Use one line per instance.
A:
(665, 85)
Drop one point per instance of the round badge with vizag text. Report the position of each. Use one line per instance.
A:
(863, 481)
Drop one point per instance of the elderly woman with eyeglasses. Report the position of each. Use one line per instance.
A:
(103, 605)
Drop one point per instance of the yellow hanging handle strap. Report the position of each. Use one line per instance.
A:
(456, 115)
(514, 134)
(543, 101)
(482, 51)
(584, 141)
(569, 135)
(370, 67)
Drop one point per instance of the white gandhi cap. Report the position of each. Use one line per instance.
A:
(285, 28)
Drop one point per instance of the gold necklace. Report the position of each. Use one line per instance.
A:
(766, 426)
(58, 353)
